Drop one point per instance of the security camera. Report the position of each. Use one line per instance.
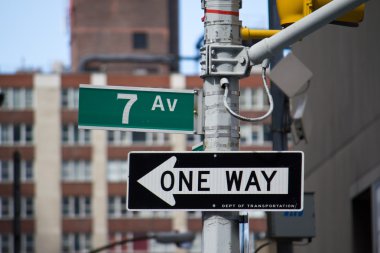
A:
(298, 131)
(297, 110)
(293, 78)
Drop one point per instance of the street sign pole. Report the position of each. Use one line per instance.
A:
(222, 28)
(280, 115)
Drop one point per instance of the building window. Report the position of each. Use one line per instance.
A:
(140, 41)
(6, 243)
(257, 134)
(149, 214)
(252, 99)
(17, 98)
(119, 138)
(5, 134)
(76, 170)
(70, 98)
(245, 132)
(75, 242)
(28, 98)
(27, 243)
(193, 139)
(76, 207)
(156, 138)
(71, 135)
(16, 134)
(118, 236)
(117, 170)
(27, 207)
(6, 171)
(123, 138)
(194, 214)
(28, 134)
(251, 134)
(139, 137)
(258, 98)
(27, 171)
(6, 207)
(244, 98)
(117, 207)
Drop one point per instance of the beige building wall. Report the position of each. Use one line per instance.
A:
(99, 178)
(47, 137)
(343, 110)
(178, 143)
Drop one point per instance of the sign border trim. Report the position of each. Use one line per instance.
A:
(224, 210)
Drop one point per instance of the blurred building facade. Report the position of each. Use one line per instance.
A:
(133, 37)
(342, 120)
(74, 181)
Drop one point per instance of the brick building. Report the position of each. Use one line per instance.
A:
(74, 181)
(133, 37)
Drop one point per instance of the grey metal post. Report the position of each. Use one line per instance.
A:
(222, 27)
(280, 115)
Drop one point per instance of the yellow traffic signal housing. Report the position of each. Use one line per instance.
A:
(291, 11)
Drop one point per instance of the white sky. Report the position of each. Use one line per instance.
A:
(35, 34)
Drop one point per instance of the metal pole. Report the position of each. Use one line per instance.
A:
(222, 27)
(16, 202)
(280, 115)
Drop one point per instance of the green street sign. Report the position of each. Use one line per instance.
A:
(137, 109)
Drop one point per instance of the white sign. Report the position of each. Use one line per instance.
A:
(219, 181)
(165, 181)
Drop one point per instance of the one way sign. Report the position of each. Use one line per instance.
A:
(215, 181)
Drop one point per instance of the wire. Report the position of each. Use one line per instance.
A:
(262, 246)
(224, 83)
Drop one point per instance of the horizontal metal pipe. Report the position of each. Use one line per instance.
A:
(253, 34)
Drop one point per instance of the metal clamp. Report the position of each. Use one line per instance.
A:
(224, 61)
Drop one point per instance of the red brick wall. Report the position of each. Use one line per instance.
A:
(106, 27)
